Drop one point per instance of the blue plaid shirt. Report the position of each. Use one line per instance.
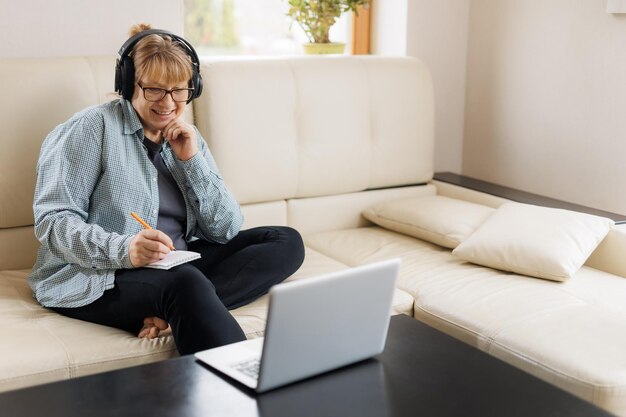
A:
(92, 172)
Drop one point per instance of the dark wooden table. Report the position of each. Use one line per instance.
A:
(422, 372)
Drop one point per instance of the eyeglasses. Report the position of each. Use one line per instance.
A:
(158, 94)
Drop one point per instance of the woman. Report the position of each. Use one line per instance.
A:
(137, 154)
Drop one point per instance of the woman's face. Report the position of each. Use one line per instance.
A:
(155, 116)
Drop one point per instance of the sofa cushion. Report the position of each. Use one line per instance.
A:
(524, 321)
(57, 347)
(252, 317)
(377, 128)
(52, 347)
(441, 220)
(344, 211)
(536, 241)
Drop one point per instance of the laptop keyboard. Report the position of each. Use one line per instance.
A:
(249, 367)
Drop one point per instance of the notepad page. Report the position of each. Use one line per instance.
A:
(174, 258)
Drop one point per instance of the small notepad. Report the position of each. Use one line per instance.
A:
(175, 257)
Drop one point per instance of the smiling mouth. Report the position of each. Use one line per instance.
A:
(163, 113)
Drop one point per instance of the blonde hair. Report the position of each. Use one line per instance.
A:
(158, 57)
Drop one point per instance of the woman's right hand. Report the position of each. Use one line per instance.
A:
(148, 246)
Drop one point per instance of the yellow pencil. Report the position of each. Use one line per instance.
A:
(144, 224)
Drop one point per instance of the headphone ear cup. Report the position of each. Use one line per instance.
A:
(118, 77)
(125, 77)
(197, 84)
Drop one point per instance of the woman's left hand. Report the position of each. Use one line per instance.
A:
(182, 138)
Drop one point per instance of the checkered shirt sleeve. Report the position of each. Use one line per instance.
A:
(92, 172)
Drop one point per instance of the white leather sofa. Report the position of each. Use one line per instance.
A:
(311, 143)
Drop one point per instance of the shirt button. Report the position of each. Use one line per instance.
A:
(154, 178)
(189, 171)
(154, 211)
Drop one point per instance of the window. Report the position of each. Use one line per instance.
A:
(249, 27)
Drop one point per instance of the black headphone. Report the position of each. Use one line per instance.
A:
(125, 68)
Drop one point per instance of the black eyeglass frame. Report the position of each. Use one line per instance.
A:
(166, 92)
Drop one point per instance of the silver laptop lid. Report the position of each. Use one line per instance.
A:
(316, 325)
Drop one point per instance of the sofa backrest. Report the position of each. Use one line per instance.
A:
(306, 127)
(279, 128)
(38, 94)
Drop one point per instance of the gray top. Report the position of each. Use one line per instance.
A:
(172, 211)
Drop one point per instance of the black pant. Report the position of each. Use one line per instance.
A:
(194, 298)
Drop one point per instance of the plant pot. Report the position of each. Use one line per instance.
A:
(323, 48)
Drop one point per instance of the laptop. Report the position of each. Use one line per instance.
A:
(313, 326)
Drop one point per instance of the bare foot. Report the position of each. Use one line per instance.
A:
(152, 327)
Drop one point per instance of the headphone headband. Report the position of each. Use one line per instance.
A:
(125, 68)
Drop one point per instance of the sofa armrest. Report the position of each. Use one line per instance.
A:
(609, 255)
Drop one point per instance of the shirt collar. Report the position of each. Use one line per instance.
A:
(131, 121)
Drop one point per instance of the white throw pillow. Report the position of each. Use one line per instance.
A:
(441, 220)
(536, 241)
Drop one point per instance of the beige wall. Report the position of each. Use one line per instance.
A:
(545, 106)
(436, 33)
(388, 27)
(529, 94)
(46, 28)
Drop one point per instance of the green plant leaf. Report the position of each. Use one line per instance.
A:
(316, 17)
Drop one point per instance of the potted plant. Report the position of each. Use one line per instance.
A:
(316, 17)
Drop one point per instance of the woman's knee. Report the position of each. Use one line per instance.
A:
(290, 250)
(295, 245)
